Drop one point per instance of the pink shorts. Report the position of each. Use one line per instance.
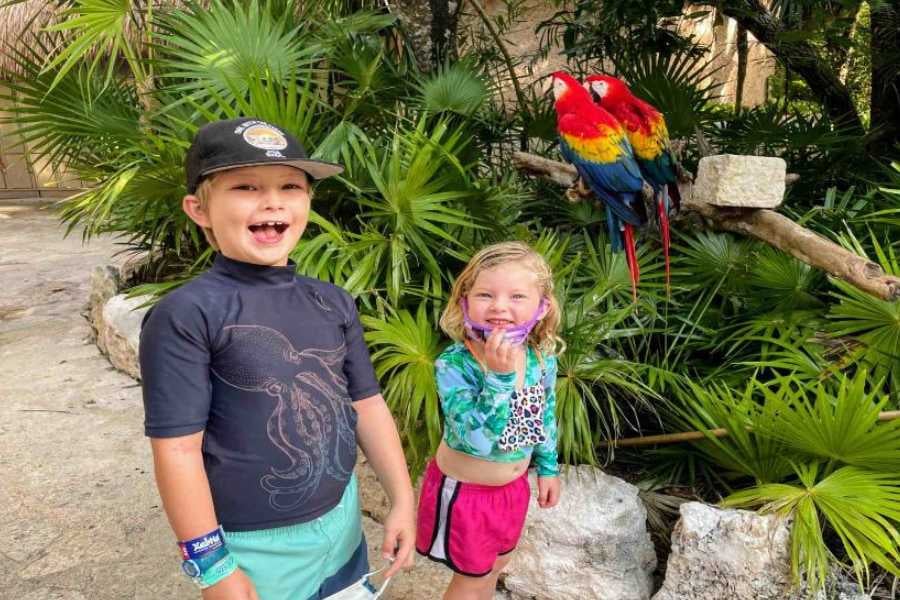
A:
(467, 526)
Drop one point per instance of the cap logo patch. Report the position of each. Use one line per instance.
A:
(265, 137)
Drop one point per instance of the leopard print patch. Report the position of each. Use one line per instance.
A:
(525, 427)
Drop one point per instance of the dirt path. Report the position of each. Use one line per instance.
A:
(79, 514)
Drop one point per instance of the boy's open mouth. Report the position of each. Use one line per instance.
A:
(268, 232)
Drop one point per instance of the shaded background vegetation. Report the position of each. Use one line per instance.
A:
(795, 366)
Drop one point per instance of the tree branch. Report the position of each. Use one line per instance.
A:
(798, 55)
(765, 225)
(696, 436)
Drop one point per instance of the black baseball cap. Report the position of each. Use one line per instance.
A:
(247, 142)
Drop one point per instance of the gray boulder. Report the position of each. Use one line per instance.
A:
(728, 555)
(593, 544)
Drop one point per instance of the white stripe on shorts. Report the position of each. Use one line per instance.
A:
(438, 550)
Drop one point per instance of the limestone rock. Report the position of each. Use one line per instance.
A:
(593, 544)
(740, 181)
(104, 285)
(727, 555)
(119, 330)
(372, 499)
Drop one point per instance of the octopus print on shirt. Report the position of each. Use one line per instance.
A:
(313, 435)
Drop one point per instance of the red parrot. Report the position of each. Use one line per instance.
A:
(647, 132)
(596, 144)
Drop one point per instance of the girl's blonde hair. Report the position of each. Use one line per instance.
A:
(544, 335)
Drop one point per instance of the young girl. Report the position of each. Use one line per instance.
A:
(497, 388)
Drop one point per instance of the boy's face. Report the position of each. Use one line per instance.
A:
(257, 214)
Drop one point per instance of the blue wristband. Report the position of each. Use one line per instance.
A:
(205, 544)
(206, 559)
(196, 567)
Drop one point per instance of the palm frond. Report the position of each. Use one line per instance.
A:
(861, 506)
(211, 56)
(835, 422)
(405, 348)
(872, 322)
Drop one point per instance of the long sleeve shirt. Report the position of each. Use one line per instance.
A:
(487, 417)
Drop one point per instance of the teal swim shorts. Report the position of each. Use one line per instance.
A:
(309, 560)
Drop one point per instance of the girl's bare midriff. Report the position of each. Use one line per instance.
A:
(470, 469)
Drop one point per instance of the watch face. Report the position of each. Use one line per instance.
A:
(190, 568)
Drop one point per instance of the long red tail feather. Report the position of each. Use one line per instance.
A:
(664, 230)
(631, 257)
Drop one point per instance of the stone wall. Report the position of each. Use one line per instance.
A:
(719, 33)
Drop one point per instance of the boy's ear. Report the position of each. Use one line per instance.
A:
(191, 206)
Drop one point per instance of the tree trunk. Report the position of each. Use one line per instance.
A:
(798, 56)
(885, 47)
(430, 27)
(742, 52)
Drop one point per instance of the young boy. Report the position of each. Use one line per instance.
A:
(258, 386)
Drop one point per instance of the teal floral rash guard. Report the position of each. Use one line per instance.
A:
(478, 406)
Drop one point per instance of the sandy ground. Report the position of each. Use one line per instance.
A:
(79, 514)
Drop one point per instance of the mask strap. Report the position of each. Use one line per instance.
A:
(384, 583)
(534, 319)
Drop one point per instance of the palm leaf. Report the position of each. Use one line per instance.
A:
(97, 31)
(835, 424)
(405, 348)
(211, 56)
(862, 507)
(872, 322)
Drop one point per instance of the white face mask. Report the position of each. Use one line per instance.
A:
(362, 589)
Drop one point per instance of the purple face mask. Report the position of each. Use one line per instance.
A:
(514, 335)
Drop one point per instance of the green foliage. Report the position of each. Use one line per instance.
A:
(816, 454)
(456, 89)
(405, 347)
(872, 324)
(674, 84)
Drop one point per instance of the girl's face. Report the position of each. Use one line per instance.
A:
(504, 296)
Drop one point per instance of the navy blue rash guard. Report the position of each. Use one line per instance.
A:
(267, 363)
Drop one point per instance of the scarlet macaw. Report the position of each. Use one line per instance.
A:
(596, 144)
(647, 132)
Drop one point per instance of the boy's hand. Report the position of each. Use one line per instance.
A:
(399, 538)
(548, 491)
(236, 586)
(499, 355)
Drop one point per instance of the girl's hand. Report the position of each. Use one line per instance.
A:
(499, 355)
(236, 586)
(548, 491)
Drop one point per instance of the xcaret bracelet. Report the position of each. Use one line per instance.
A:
(207, 560)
